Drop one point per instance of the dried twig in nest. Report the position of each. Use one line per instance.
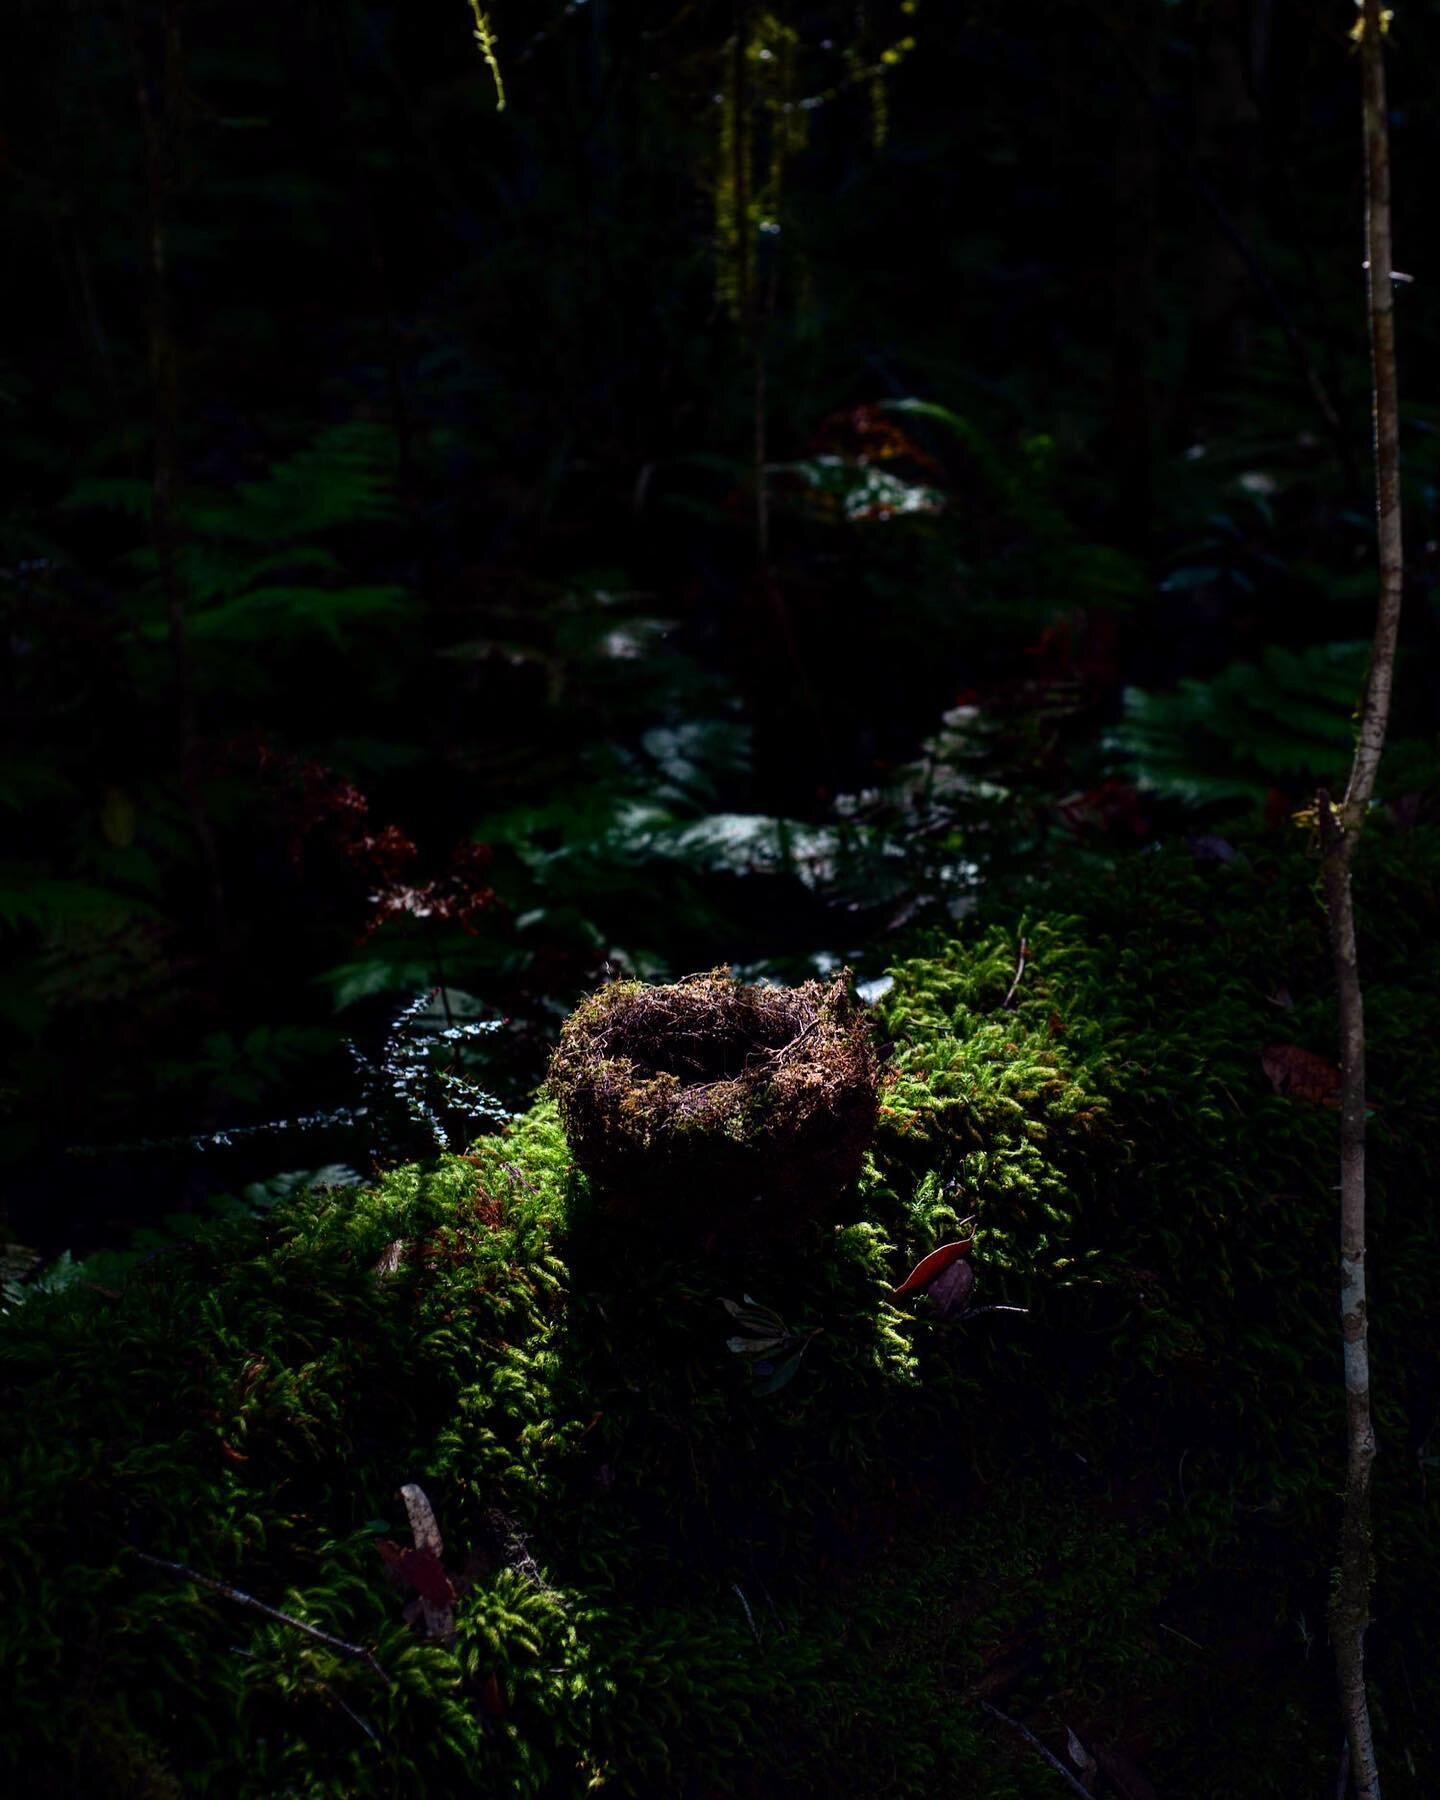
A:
(708, 1101)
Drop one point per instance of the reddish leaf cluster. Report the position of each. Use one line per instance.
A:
(313, 804)
(310, 800)
(867, 434)
(454, 898)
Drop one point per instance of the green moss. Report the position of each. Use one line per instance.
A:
(1116, 1513)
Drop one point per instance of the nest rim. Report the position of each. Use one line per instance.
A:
(710, 1094)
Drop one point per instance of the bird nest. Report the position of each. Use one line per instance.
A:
(711, 1104)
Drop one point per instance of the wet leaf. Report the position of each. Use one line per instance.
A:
(950, 1291)
(753, 1346)
(784, 1373)
(931, 1266)
(1081, 1758)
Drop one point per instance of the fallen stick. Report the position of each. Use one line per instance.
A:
(1035, 1744)
(184, 1573)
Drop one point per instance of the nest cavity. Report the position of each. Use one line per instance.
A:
(711, 1102)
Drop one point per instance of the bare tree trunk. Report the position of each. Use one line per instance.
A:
(1340, 830)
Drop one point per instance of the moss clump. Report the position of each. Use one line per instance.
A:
(1116, 1515)
(716, 1106)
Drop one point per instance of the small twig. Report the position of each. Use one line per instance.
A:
(1019, 971)
(351, 1713)
(740, 1595)
(775, 1611)
(1184, 1636)
(978, 1312)
(1035, 1744)
(184, 1573)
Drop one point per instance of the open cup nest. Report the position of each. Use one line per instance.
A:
(711, 1105)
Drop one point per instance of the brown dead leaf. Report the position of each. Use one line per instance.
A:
(1301, 1074)
(931, 1267)
(391, 1258)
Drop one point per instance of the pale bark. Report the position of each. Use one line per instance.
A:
(1340, 830)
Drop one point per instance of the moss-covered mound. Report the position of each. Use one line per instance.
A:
(667, 1573)
(716, 1106)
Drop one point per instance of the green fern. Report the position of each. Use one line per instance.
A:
(252, 560)
(1286, 722)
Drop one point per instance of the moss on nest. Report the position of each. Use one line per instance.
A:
(716, 1106)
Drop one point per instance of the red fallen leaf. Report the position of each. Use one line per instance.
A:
(929, 1267)
(426, 1574)
(1301, 1074)
(231, 1454)
(422, 1569)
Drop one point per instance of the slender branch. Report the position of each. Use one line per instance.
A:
(1035, 1744)
(1340, 831)
(739, 1593)
(1009, 999)
(183, 1573)
(1376, 715)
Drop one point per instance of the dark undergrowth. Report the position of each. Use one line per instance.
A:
(1113, 1514)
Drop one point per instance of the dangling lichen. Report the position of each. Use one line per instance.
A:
(485, 38)
(764, 125)
(759, 89)
(890, 58)
(734, 222)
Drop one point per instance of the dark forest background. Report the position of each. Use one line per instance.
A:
(787, 470)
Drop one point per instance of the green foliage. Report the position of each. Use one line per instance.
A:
(254, 562)
(675, 1576)
(1282, 722)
